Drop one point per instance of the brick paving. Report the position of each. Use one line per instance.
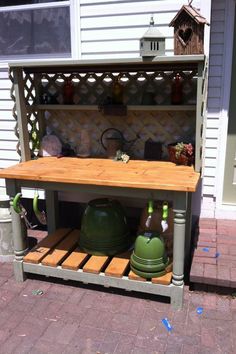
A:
(72, 318)
(214, 258)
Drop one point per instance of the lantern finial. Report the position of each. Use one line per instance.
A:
(152, 21)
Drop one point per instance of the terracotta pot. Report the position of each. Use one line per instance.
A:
(182, 159)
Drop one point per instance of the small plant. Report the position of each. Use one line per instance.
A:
(183, 149)
(181, 153)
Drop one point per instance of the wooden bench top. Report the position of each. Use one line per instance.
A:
(155, 175)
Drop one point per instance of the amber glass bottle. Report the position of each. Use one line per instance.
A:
(68, 92)
(117, 91)
(177, 90)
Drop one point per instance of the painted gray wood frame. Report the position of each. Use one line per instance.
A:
(181, 200)
(180, 205)
(182, 62)
(199, 117)
(174, 292)
(42, 64)
(22, 114)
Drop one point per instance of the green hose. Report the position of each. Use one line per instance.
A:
(39, 215)
(16, 203)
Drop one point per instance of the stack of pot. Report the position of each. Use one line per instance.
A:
(104, 228)
(149, 258)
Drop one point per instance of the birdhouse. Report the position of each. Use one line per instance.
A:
(153, 42)
(188, 31)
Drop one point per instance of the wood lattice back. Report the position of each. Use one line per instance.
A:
(93, 88)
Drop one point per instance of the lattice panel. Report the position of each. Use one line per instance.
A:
(94, 88)
(165, 127)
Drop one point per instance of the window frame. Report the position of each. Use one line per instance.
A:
(74, 12)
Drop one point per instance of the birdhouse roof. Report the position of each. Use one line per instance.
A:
(152, 32)
(192, 12)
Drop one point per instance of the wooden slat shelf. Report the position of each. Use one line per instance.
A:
(64, 253)
(63, 107)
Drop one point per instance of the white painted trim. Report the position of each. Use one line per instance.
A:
(34, 6)
(206, 12)
(75, 29)
(226, 211)
(4, 62)
(226, 85)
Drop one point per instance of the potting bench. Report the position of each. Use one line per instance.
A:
(136, 179)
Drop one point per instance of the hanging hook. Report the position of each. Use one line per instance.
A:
(40, 215)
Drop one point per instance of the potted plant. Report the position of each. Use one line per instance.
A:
(181, 153)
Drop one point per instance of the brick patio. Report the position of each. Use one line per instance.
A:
(69, 318)
(214, 258)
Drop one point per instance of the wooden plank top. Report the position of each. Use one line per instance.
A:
(154, 175)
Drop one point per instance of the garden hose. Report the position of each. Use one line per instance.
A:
(164, 223)
(165, 211)
(150, 212)
(16, 203)
(40, 215)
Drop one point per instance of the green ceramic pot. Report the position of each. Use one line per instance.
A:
(104, 228)
(147, 275)
(149, 258)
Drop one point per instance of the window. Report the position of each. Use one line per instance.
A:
(34, 32)
(23, 2)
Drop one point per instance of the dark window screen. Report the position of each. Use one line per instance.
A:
(35, 32)
(23, 2)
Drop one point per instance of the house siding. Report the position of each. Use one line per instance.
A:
(8, 140)
(112, 29)
(213, 126)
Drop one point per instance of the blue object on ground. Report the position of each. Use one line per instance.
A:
(199, 310)
(217, 254)
(206, 249)
(167, 324)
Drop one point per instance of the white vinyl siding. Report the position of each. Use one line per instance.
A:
(112, 28)
(8, 140)
(214, 96)
(217, 115)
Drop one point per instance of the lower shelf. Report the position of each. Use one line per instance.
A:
(58, 255)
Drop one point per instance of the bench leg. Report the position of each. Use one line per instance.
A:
(177, 296)
(52, 210)
(179, 208)
(19, 232)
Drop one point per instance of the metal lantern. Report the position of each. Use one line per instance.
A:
(153, 42)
